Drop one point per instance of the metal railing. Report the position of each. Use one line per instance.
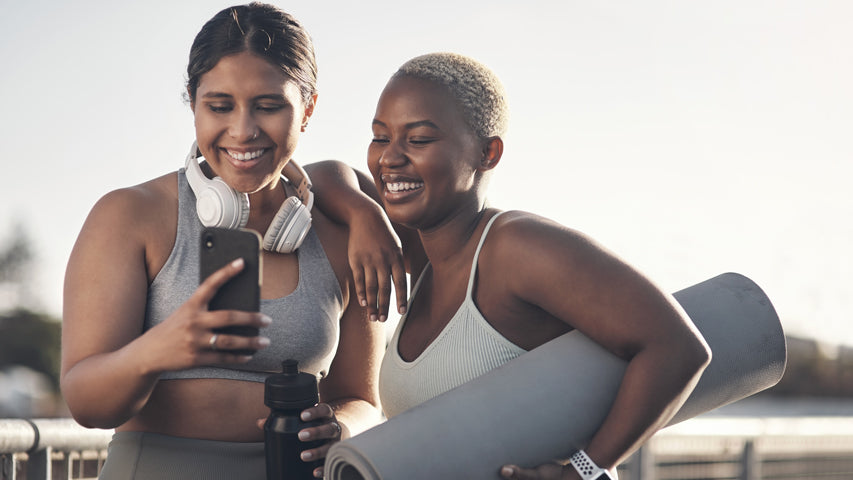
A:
(739, 448)
(48, 449)
(715, 448)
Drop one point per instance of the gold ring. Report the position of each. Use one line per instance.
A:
(212, 341)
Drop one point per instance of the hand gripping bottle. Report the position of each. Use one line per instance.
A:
(287, 394)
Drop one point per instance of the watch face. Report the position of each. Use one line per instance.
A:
(603, 476)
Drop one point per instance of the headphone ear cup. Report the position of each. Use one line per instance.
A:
(219, 205)
(289, 227)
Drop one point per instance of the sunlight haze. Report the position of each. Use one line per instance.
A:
(691, 138)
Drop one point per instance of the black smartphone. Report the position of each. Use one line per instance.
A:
(220, 246)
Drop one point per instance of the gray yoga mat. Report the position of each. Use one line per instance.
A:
(548, 402)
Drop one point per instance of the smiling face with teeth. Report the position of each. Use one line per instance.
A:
(424, 158)
(248, 117)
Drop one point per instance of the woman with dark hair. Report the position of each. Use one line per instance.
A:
(140, 351)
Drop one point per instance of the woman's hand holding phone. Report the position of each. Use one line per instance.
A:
(241, 292)
(186, 339)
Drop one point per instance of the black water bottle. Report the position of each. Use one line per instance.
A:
(287, 394)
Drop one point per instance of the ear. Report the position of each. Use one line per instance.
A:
(493, 149)
(192, 100)
(309, 110)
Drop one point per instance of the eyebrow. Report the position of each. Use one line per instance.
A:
(411, 125)
(270, 96)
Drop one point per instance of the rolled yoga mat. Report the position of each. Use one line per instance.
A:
(548, 402)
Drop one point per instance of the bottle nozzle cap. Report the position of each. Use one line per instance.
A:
(289, 367)
(291, 388)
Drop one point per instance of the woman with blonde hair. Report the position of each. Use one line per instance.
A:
(494, 284)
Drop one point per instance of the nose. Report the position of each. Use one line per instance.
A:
(244, 128)
(392, 155)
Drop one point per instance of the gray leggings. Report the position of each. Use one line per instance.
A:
(150, 456)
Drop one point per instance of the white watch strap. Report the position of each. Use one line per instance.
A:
(587, 469)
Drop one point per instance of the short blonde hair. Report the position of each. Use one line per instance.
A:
(474, 86)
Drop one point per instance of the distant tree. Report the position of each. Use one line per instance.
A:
(16, 267)
(16, 257)
(32, 340)
(27, 338)
(816, 370)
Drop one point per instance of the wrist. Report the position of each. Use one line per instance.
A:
(370, 216)
(357, 207)
(587, 469)
(569, 473)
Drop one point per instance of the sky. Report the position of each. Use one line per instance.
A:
(690, 138)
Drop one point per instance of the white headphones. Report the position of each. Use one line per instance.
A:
(219, 205)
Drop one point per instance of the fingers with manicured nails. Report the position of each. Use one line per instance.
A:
(315, 454)
(330, 430)
(398, 271)
(216, 319)
(225, 343)
(384, 294)
(509, 471)
(208, 288)
(317, 412)
(371, 292)
(358, 281)
(548, 471)
(373, 277)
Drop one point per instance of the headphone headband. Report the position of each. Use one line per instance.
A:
(195, 176)
(217, 204)
(293, 172)
(297, 176)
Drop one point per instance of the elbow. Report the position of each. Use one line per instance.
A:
(85, 420)
(93, 420)
(684, 350)
(91, 417)
(90, 414)
(697, 353)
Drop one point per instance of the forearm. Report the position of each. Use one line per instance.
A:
(355, 415)
(374, 251)
(350, 196)
(656, 383)
(340, 192)
(105, 390)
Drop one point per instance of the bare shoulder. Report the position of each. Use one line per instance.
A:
(142, 219)
(531, 234)
(145, 201)
(534, 253)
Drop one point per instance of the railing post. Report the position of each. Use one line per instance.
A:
(642, 466)
(67, 464)
(8, 465)
(39, 464)
(751, 462)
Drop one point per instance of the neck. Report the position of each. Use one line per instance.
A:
(265, 203)
(445, 245)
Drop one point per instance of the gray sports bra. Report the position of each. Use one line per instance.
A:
(305, 323)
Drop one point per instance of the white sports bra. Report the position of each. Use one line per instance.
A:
(467, 348)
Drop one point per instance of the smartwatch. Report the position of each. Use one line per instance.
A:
(588, 470)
